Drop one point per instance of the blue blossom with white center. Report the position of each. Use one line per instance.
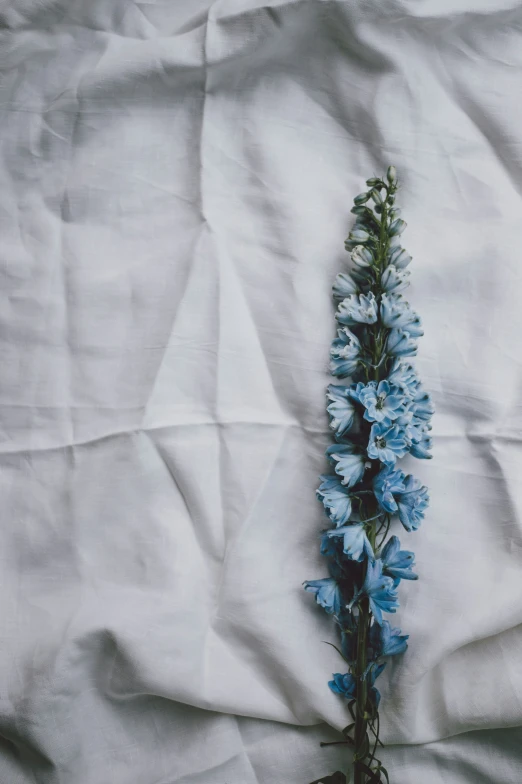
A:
(336, 499)
(386, 485)
(357, 309)
(349, 463)
(383, 402)
(387, 443)
(412, 503)
(400, 344)
(386, 641)
(397, 563)
(344, 285)
(394, 279)
(356, 544)
(380, 590)
(345, 353)
(341, 409)
(327, 593)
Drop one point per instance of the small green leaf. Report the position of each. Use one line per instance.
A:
(336, 648)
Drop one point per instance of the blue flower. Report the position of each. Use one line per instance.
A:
(380, 590)
(397, 563)
(403, 375)
(397, 227)
(348, 463)
(386, 444)
(344, 354)
(346, 685)
(355, 391)
(422, 407)
(327, 593)
(422, 448)
(411, 427)
(356, 237)
(414, 328)
(394, 279)
(397, 313)
(357, 309)
(386, 641)
(412, 503)
(336, 499)
(356, 544)
(399, 257)
(386, 485)
(341, 409)
(383, 402)
(343, 286)
(400, 344)
(362, 257)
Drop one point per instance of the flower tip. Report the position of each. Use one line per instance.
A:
(391, 174)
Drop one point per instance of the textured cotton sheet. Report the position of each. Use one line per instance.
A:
(176, 180)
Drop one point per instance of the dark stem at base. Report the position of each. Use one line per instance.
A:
(361, 723)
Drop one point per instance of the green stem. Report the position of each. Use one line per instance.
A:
(361, 723)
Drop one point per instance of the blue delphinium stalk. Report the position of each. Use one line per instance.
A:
(378, 418)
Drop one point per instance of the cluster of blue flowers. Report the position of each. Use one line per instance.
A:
(380, 417)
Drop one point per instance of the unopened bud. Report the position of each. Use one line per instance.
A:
(361, 256)
(397, 227)
(362, 198)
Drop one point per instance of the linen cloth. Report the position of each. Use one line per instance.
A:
(176, 180)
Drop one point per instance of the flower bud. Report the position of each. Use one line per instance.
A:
(397, 227)
(394, 242)
(358, 235)
(361, 256)
(362, 198)
(376, 196)
(373, 181)
(400, 258)
(359, 210)
(391, 175)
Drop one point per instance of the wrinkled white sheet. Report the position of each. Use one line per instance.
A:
(175, 191)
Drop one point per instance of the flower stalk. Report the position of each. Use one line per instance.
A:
(380, 417)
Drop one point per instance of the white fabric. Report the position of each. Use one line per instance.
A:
(175, 191)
